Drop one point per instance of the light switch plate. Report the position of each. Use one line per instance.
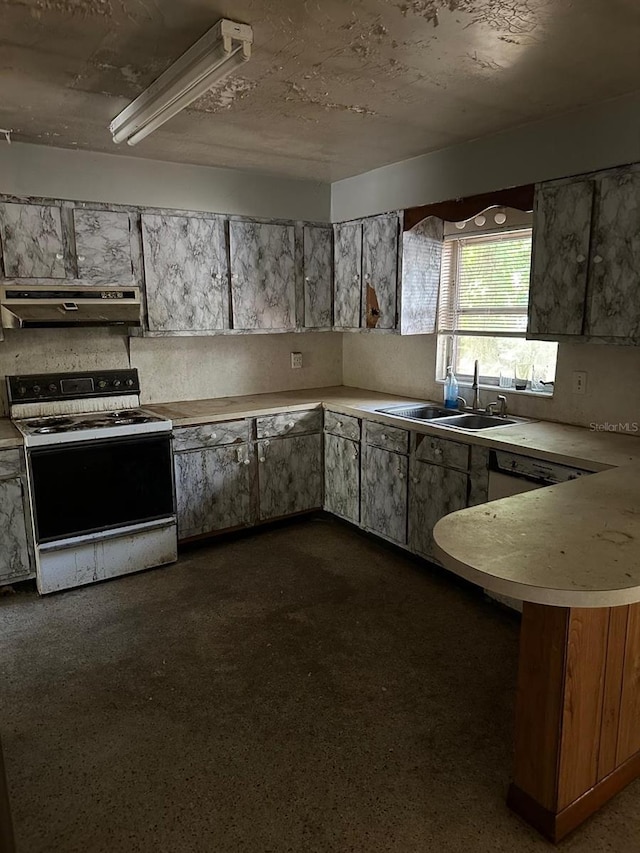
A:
(579, 382)
(296, 360)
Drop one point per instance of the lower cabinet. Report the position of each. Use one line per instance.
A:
(289, 475)
(15, 561)
(384, 493)
(434, 491)
(212, 489)
(342, 477)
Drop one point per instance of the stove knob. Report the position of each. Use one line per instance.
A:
(117, 383)
(53, 388)
(36, 389)
(102, 383)
(129, 383)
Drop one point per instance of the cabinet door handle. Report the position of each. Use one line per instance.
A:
(598, 259)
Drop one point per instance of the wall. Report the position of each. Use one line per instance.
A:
(406, 365)
(592, 138)
(176, 368)
(39, 170)
(179, 368)
(596, 137)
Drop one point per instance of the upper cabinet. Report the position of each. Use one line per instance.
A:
(263, 279)
(103, 246)
(420, 277)
(585, 279)
(32, 244)
(318, 275)
(185, 271)
(614, 304)
(379, 271)
(347, 275)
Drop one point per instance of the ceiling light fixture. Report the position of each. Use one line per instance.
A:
(220, 51)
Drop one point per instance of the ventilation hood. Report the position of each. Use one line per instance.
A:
(38, 306)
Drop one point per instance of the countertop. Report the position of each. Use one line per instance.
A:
(570, 445)
(576, 544)
(9, 435)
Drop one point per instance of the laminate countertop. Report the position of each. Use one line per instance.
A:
(9, 435)
(570, 445)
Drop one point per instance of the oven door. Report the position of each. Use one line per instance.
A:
(100, 485)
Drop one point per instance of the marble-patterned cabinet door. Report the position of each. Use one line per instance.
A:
(103, 246)
(32, 245)
(318, 276)
(14, 549)
(614, 283)
(289, 475)
(379, 271)
(434, 491)
(420, 278)
(559, 260)
(263, 280)
(347, 275)
(212, 489)
(384, 493)
(342, 477)
(185, 270)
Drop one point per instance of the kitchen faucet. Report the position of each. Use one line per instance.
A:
(476, 386)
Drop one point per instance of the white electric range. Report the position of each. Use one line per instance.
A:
(100, 476)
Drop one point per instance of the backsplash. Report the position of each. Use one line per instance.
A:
(406, 365)
(179, 368)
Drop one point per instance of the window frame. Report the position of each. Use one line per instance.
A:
(447, 339)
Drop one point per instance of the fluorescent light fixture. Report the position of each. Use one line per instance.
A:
(220, 51)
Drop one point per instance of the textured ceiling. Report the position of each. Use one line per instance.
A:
(334, 88)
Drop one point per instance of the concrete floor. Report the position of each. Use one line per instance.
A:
(305, 688)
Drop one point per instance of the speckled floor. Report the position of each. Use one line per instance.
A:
(301, 689)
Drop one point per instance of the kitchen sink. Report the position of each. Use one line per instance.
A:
(474, 422)
(420, 412)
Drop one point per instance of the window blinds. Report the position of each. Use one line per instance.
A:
(484, 284)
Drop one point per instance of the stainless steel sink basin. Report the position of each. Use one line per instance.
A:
(473, 421)
(419, 412)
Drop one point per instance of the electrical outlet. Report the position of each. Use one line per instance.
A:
(579, 382)
(296, 360)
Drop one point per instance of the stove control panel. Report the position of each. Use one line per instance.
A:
(40, 387)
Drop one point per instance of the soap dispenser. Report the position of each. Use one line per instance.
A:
(450, 390)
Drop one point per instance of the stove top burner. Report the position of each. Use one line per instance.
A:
(53, 421)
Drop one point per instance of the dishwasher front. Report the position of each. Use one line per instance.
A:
(513, 474)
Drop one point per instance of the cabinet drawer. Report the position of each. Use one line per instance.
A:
(389, 438)
(443, 452)
(209, 435)
(289, 423)
(343, 425)
(10, 463)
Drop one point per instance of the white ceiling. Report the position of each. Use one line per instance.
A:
(334, 88)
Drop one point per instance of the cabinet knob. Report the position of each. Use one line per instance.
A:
(292, 424)
(214, 435)
(580, 259)
(414, 480)
(400, 475)
(338, 424)
(81, 258)
(367, 277)
(247, 462)
(598, 259)
(263, 459)
(59, 256)
(306, 278)
(384, 436)
(437, 451)
(355, 455)
(356, 278)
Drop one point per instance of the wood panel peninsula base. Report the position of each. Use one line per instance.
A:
(571, 553)
(577, 726)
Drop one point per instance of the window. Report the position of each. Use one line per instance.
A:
(482, 313)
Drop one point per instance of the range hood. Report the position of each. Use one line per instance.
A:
(39, 306)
